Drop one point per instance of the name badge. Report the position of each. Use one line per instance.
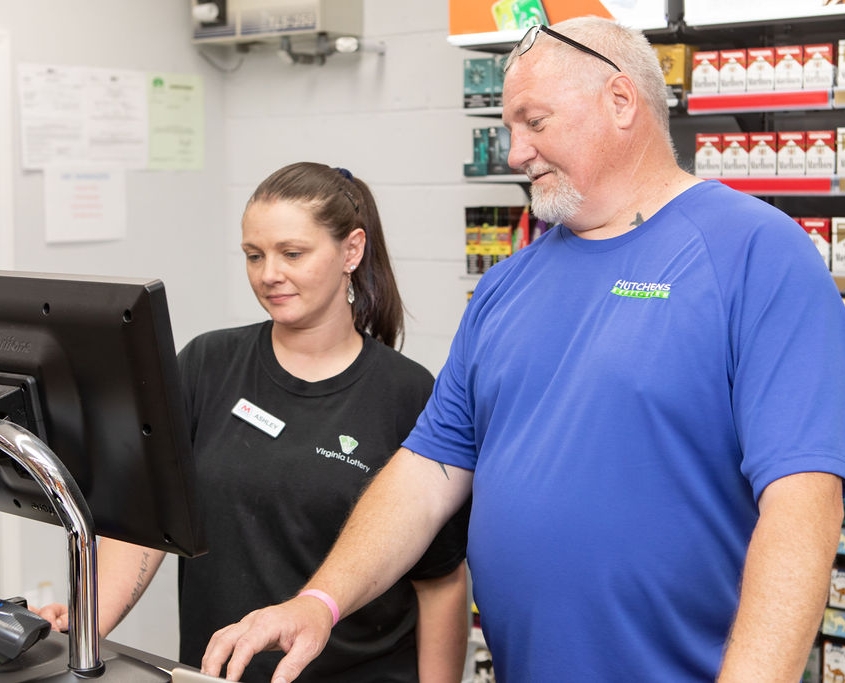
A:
(258, 418)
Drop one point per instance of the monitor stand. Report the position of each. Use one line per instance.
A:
(47, 661)
(77, 656)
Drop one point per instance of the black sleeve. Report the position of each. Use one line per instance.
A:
(447, 550)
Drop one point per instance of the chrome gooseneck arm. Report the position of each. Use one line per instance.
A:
(73, 512)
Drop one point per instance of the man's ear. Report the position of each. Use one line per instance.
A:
(625, 98)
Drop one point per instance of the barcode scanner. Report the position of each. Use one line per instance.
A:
(20, 629)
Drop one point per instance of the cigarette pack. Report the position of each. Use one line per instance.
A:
(708, 155)
(791, 153)
(840, 152)
(833, 622)
(732, 70)
(705, 71)
(819, 231)
(837, 245)
(789, 67)
(734, 154)
(818, 66)
(833, 658)
(760, 71)
(762, 154)
(821, 152)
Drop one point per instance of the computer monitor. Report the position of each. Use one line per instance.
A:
(88, 365)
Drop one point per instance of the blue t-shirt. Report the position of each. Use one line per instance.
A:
(623, 403)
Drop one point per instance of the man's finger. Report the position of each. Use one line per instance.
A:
(219, 648)
(300, 655)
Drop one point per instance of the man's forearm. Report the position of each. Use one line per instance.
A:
(442, 627)
(785, 580)
(390, 528)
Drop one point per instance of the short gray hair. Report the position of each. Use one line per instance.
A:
(626, 47)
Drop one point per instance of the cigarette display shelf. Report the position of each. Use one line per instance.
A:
(785, 186)
(748, 111)
(767, 101)
(766, 111)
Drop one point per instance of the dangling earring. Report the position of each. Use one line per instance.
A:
(350, 290)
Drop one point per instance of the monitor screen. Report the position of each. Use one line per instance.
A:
(88, 365)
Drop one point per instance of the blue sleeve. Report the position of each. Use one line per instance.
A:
(787, 329)
(445, 431)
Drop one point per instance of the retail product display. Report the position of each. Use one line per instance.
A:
(495, 232)
(516, 14)
(827, 660)
(483, 79)
(676, 62)
(478, 82)
(783, 67)
(490, 149)
(786, 153)
(819, 231)
(837, 246)
(481, 661)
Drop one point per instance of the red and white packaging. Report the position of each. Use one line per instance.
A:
(789, 67)
(820, 152)
(791, 153)
(840, 151)
(837, 245)
(762, 154)
(760, 69)
(818, 66)
(705, 71)
(819, 231)
(732, 70)
(708, 155)
(734, 154)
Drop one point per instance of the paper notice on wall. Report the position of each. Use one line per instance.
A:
(177, 121)
(84, 205)
(76, 116)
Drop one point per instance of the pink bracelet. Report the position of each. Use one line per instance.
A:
(326, 599)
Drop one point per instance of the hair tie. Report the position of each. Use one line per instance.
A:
(346, 174)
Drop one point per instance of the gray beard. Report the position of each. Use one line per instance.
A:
(556, 205)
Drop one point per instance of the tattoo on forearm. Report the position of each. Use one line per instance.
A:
(139, 585)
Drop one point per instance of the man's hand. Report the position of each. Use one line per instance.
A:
(299, 627)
